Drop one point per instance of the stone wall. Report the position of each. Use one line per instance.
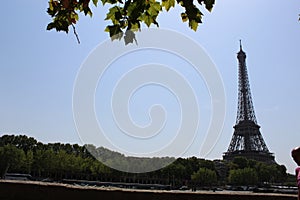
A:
(11, 190)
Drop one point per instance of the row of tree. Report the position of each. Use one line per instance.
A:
(56, 161)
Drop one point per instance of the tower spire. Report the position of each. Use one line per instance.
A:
(241, 49)
(245, 105)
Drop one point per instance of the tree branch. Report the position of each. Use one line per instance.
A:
(75, 33)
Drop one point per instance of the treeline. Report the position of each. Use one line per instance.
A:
(57, 161)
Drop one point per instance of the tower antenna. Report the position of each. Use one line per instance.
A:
(241, 45)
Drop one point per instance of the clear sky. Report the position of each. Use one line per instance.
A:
(38, 69)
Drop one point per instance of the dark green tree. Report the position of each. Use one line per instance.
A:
(207, 164)
(28, 162)
(271, 173)
(20, 141)
(240, 162)
(204, 177)
(11, 159)
(245, 176)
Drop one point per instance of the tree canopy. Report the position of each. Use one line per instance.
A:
(125, 16)
(57, 161)
(204, 177)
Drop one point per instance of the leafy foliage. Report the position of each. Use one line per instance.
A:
(257, 172)
(11, 158)
(57, 161)
(245, 176)
(204, 177)
(240, 162)
(126, 16)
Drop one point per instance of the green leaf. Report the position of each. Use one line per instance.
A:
(111, 13)
(167, 4)
(115, 32)
(134, 26)
(109, 1)
(192, 13)
(51, 8)
(208, 4)
(154, 9)
(74, 16)
(184, 17)
(95, 2)
(156, 6)
(135, 9)
(114, 14)
(50, 26)
(147, 19)
(193, 25)
(87, 11)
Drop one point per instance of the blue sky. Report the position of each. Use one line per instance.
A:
(38, 68)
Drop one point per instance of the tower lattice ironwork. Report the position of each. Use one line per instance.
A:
(247, 141)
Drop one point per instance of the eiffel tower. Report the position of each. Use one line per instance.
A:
(247, 141)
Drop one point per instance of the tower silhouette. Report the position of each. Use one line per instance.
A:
(247, 141)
